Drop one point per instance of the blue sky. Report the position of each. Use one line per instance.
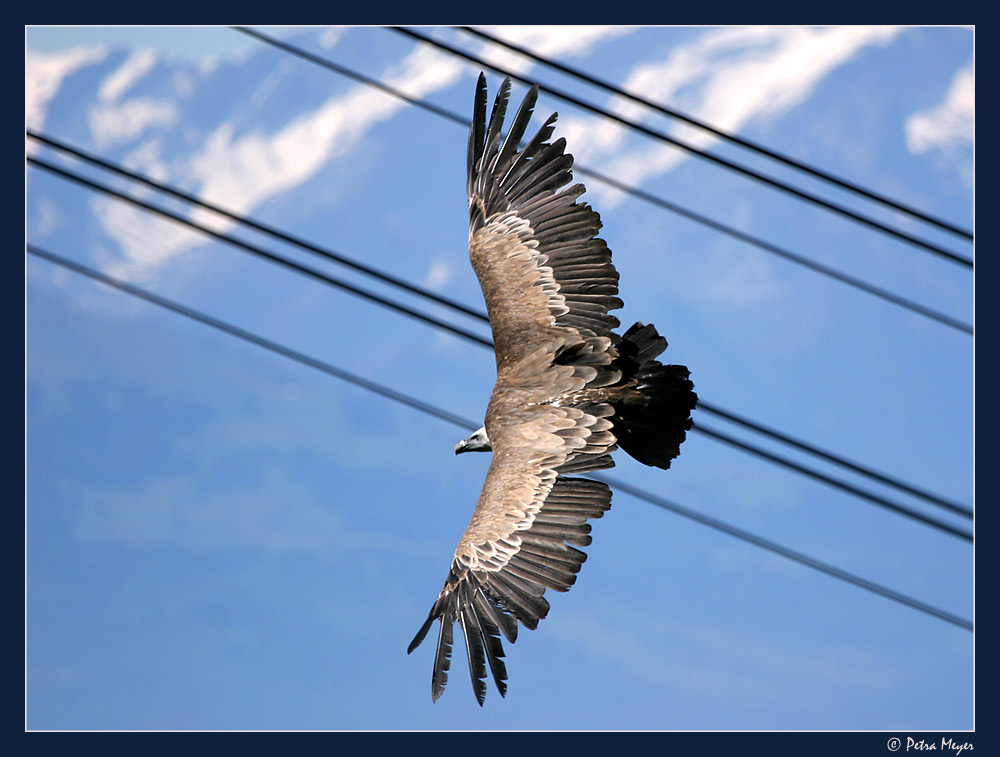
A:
(218, 537)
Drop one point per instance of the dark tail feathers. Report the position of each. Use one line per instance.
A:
(653, 418)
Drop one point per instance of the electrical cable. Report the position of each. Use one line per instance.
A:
(723, 162)
(927, 520)
(793, 257)
(394, 281)
(448, 417)
(640, 194)
(725, 135)
(875, 475)
(262, 253)
(257, 225)
(842, 485)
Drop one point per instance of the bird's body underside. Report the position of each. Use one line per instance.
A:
(569, 391)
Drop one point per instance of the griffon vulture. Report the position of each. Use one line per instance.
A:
(569, 391)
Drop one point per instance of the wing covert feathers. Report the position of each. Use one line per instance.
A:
(489, 598)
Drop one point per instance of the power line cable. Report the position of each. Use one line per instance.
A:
(464, 423)
(718, 226)
(841, 461)
(256, 225)
(480, 315)
(842, 485)
(875, 499)
(725, 135)
(163, 302)
(790, 554)
(723, 162)
(262, 253)
(793, 257)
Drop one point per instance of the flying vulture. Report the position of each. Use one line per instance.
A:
(569, 391)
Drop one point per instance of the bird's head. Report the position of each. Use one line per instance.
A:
(478, 442)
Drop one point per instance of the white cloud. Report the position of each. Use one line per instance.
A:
(147, 157)
(112, 123)
(147, 240)
(726, 77)
(133, 69)
(241, 171)
(330, 36)
(44, 74)
(550, 41)
(558, 40)
(951, 123)
(439, 275)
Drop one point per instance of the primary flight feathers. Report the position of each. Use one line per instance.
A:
(569, 391)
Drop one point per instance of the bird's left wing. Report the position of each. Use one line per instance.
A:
(533, 242)
(522, 540)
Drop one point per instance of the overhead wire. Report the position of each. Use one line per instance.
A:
(794, 257)
(273, 231)
(724, 135)
(703, 154)
(456, 420)
(895, 483)
(379, 275)
(842, 485)
(265, 254)
(691, 215)
(409, 312)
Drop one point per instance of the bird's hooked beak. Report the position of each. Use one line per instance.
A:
(478, 442)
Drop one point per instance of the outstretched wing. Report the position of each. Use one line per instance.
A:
(496, 583)
(534, 247)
